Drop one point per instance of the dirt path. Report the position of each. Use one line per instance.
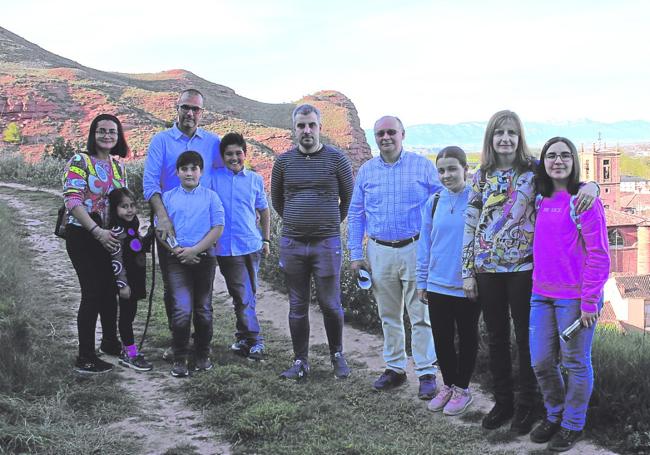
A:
(168, 421)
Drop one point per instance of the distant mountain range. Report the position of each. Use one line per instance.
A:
(469, 135)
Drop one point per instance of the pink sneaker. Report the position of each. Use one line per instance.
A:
(459, 402)
(440, 400)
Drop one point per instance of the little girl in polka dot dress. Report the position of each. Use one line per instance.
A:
(129, 267)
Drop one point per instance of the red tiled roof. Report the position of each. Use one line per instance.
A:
(607, 315)
(634, 199)
(616, 218)
(636, 287)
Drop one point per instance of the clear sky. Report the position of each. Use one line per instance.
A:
(437, 61)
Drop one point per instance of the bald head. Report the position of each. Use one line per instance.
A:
(389, 133)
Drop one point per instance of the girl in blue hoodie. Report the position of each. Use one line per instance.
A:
(440, 283)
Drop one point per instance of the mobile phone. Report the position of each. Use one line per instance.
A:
(171, 241)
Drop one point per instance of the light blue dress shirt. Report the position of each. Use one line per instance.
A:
(193, 213)
(387, 199)
(164, 150)
(240, 195)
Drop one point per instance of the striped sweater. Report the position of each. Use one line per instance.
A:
(312, 192)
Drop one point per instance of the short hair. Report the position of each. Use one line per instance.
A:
(453, 151)
(189, 157)
(401, 125)
(304, 109)
(231, 139)
(523, 158)
(115, 197)
(191, 91)
(121, 149)
(543, 181)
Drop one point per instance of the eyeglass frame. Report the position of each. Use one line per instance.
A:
(568, 156)
(187, 108)
(103, 132)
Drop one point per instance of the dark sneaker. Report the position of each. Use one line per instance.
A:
(298, 371)
(523, 420)
(240, 347)
(138, 363)
(203, 363)
(256, 352)
(91, 366)
(389, 380)
(564, 440)
(179, 369)
(113, 348)
(499, 415)
(341, 369)
(428, 387)
(544, 431)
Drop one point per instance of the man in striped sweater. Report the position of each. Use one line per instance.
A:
(311, 187)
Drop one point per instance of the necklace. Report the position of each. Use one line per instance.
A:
(453, 201)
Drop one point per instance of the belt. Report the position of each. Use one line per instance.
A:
(397, 243)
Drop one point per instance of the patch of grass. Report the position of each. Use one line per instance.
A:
(44, 408)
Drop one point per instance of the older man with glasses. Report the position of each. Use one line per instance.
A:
(160, 166)
(389, 193)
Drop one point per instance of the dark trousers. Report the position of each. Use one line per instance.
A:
(448, 314)
(502, 296)
(190, 288)
(300, 260)
(98, 290)
(128, 308)
(163, 254)
(240, 273)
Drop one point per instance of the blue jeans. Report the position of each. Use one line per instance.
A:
(190, 289)
(240, 273)
(300, 259)
(565, 403)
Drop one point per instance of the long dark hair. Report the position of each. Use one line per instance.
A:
(544, 183)
(115, 197)
(121, 149)
(523, 159)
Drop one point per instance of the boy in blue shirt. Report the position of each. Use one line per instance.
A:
(197, 216)
(241, 246)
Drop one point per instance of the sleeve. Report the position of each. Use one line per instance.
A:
(596, 270)
(357, 218)
(217, 213)
(124, 181)
(433, 181)
(424, 245)
(117, 261)
(153, 168)
(346, 185)
(277, 185)
(261, 202)
(472, 215)
(75, 181)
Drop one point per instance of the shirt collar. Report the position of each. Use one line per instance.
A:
(243, 172)
(192, 191)
(177, 133)
(399, 160)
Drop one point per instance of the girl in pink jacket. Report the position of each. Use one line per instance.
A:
(571, 266)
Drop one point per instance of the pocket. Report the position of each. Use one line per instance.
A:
(332, 243)
(286, 242)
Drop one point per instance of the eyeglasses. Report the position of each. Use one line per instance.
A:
(103, 132)
(187, 108)
(564, 156)
(390, 132)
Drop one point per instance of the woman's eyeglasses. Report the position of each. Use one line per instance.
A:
(564, 156)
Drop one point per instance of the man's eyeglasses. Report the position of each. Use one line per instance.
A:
(103, 132)
(390, 132)
(564, 156)
(187, 108)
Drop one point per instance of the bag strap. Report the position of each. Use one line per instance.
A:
(436, 197)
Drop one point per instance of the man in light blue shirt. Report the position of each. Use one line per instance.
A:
(160, 164)
(389, 193)
(241, 245)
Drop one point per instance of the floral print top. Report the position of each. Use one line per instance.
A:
(87, 181)
(499, 223)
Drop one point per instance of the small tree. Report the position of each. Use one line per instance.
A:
(12, 133)
(62, 149)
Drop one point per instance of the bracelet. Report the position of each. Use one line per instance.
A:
(266, 241)
(93, 228)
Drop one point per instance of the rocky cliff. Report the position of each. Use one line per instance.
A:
(49, 96)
